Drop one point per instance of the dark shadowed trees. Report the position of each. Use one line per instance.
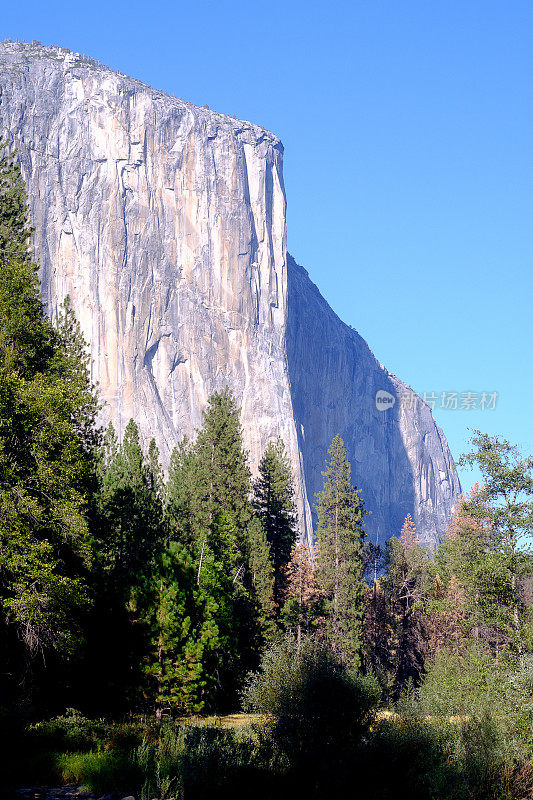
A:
(47, 434)
(274, 505)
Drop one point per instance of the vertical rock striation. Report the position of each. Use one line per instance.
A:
(165, 223)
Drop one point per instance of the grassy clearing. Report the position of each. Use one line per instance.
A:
(227, 721)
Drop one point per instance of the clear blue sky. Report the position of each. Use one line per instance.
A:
(408, 132)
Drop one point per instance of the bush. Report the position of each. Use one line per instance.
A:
(201, 762)
(71, 731)
(405, 757)
(318, 711)
(459, 684)
(486, 706)
(100, 771)
(306, 687)
(58, 749)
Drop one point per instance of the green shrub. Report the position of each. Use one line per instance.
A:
(459, 684)
(486, 706)
(76, 749)
(306, 690)
(406, 757)
(318, 713)
(200, 762)
(127, 736)
(71, 731)
(100, 771)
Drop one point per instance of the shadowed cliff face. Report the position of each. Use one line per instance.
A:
(166, 224)
(400, 459)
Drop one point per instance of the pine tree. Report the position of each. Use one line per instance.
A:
(156, 476)
(209, 512)
(274, 504)
(222, 479)
(179, 496)
(302, 609)
(181, 660)
(408, 536)
(340, 537)
(44, 460)
(129, 534)
(407, 587)
(129, 509)
(27, 339)
(72, 358)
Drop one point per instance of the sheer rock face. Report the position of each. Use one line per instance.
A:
(165, 223)
(399, 456)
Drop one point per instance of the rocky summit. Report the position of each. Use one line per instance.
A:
(165, 223)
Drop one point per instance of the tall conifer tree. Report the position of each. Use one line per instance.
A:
(274, 504)
(129, 514)
(303, 601)
(209, 511)
(181, 662)
(47, 408)
(340, 537)
(179, 496)
(222, 479)
(129, 535)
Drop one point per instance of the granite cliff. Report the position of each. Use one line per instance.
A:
(165, 223)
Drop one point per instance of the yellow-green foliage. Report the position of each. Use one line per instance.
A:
(99, 771)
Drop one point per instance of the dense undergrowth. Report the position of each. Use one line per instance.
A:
(321, 732)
